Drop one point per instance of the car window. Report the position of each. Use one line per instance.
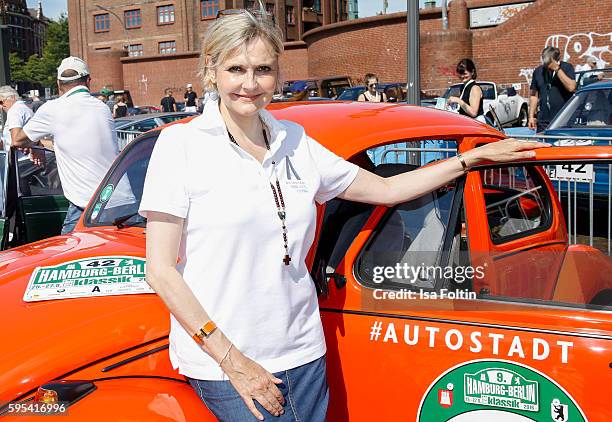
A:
(564, 267)
(589, 108)
(516, 202)
(410, 235)
(351, 94)
(38, 180)
(121, 194)
(334, 87)
(169, 119)
(453, 91)
(488, 91)
(142, 126)
(3, 181)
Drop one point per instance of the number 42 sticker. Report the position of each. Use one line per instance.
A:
(577, 172)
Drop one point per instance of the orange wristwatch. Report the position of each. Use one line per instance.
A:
(207, 329)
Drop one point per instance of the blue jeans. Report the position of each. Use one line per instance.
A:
(72, 217)
(304, 388)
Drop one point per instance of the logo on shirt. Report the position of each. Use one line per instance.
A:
(293, 180)
(291, 170)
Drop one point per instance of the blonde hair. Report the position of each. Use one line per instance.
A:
(230, 33)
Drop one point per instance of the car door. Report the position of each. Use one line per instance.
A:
(41, 205)
(4, 217)
(433, 344)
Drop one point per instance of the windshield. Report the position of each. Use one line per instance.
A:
(122, 191)
(590, 108)
(351, 94)
(488, 91)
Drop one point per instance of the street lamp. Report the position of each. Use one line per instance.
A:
(125, 33)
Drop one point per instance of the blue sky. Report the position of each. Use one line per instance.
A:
(53, 8)
(371, 7)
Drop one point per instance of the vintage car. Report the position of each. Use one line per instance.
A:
(510, 107)
(503, 320)
(32, 205)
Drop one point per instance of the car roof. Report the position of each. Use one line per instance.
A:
(140, 117)
(392, 121)
(321, 120)
(596, 86)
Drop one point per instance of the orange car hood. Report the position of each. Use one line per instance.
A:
(50, 338)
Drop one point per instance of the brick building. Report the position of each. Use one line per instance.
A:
(143, 46)
(504, 37)
(26, 28)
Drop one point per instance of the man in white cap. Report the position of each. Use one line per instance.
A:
(17, 113)
(82, 129)
(190, 99)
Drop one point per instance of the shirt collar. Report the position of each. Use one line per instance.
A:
(76, 88)
(211, 120)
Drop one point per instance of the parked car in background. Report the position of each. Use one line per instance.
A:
(395, 92)
(531, 333)
(146, 109)
(129, 127)
(329, 87)
(511, 108)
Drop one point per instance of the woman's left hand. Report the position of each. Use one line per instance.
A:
(453, 100)
(503, 151)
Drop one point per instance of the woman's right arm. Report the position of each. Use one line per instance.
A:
(251, 381)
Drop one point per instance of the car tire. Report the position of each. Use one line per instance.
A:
(523, 117)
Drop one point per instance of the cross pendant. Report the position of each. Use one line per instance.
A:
(287, 259)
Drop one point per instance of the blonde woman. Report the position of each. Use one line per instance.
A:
(245, 324)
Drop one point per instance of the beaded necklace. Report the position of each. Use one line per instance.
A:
(278, 199)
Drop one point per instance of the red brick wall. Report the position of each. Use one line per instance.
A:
(378, 44)
(294, 61)
(501, 52)
(106, 69)
(354, 48)
(147, 78)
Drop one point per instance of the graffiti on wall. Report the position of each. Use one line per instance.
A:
(143, 84)
(577, 47)
(527, 73)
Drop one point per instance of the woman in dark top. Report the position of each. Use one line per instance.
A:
(120, 108)
(471, 99)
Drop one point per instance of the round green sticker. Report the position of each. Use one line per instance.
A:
(504, 391)
(106, 193)
(96, 210)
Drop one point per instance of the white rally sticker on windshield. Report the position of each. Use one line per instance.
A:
(100, 276)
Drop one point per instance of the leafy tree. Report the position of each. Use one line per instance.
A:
(18, 68)
(43, 69)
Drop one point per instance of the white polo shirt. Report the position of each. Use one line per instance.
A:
(84, 140)
(231, 250)
(16, 117)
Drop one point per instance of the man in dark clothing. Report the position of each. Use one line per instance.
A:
(551, 86)
(190, 99)
(168, 104)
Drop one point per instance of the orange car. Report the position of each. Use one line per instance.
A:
(471, 303)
